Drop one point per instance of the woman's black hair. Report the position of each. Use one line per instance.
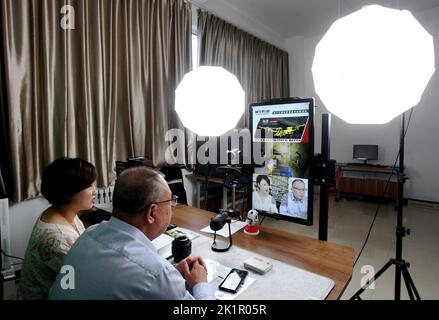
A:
(65, 177)
(262, 177)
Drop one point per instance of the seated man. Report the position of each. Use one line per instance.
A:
(117, 260)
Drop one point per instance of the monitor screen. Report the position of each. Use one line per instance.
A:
(282, 148)
(365, 152)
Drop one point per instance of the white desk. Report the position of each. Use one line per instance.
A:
(283, 282)
(319, 257)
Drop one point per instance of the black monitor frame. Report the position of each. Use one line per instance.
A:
(310, 149)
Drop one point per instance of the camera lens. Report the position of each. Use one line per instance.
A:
(181, 248)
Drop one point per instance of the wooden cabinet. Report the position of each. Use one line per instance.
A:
(366, 180)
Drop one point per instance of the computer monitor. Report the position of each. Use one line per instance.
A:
(365, 152)
(282, 147)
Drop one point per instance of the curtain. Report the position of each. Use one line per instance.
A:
(261, 68)
(4, 141)
(90, 78)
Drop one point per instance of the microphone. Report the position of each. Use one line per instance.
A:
(218, 222)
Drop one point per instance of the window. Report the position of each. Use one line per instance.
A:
(194, 50)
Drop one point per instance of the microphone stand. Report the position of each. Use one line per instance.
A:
(221, 246)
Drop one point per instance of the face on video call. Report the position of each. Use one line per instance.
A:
(264, 187)
(298, 187)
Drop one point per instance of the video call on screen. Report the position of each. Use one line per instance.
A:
(280, 184)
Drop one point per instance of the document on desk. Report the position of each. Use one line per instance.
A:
(162, 241)
(178, 231)
(108, 207)
(235, 226)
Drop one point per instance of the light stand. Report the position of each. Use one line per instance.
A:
(326, 179)
(400, 264)
(324, 175)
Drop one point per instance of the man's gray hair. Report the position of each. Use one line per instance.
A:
(136, 189)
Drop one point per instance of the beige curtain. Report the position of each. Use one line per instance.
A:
(102, 91)
(4, 141)
(261, 68)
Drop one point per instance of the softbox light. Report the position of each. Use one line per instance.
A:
(209, 101)
(373, 64)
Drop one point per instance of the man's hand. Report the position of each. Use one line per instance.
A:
(194, 270)
(192, 260)
(189, 261)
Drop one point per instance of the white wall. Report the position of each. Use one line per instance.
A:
(421, 154)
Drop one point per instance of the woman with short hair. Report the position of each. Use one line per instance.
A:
(262, 200)
(70, 187)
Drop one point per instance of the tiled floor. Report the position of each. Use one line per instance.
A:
(349, 221)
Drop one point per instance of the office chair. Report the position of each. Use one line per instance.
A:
(174, 178)
(172, 175)
(235, 181)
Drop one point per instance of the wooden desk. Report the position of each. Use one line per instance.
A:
(324, 258)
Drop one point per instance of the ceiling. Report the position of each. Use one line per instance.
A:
(289, 18)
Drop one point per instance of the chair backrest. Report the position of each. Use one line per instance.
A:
(120, 167)
(174, 178)
(22, 217)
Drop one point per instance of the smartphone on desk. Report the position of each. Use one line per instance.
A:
(233, 281)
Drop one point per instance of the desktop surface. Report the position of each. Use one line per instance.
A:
(327, 259)
(373, 165)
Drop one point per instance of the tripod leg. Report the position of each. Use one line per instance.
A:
(374, 278)
(410, 284)
(397, 281)
(407, 284)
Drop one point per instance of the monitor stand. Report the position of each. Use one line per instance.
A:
(364, 161)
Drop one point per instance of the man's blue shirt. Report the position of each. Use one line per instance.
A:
(115, 260)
